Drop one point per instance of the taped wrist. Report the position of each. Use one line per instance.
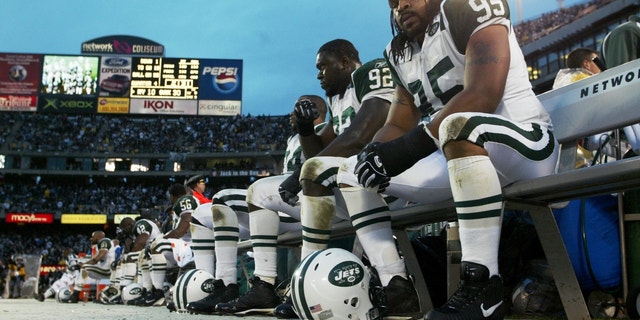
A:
(306, 128)
(402, 153)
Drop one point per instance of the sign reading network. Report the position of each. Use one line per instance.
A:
(123, 45)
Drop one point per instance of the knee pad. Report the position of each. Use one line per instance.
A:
(223, 216)
(450, 127)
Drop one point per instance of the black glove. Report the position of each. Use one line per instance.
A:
(370, 170)
(306, 112)
(290, 187)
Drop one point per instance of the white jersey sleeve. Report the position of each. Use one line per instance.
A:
(434, 72)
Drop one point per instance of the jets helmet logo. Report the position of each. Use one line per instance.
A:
(346, 274)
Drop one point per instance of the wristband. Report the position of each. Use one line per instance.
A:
(306, 129)
(402, 153)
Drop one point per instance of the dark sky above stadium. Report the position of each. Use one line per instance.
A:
(276, 39)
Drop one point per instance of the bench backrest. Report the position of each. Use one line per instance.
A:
(600, 103)
(596, 104)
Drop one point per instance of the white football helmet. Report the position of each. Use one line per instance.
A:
(131, 292)
(64, 295)
(191, 286)
(110, 295)
(72, 262)
(332, 284)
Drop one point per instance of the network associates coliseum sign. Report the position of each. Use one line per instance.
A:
(123, 45)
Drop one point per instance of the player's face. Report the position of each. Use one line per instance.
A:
(127, 228)
(333, 73)
(414, 16)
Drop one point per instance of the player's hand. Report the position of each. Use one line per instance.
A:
(370, 170)
(306, 111)
(290, 188)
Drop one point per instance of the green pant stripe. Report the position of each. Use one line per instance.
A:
(324, 178)
(369, 222)
(316, 231)
(288, 220)
(534, 135)
(229, 229)
(373, 211)
(227, 238)
(315, 240)
(480, 215)
(203, 248)
(479, 202)
(263, 237)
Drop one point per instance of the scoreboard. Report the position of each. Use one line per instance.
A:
(165, 77)
(120, 84)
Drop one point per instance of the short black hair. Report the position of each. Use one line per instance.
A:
(177, 190)
(341, 48)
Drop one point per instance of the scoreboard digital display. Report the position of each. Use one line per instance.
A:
(171, 78)
(120, 84)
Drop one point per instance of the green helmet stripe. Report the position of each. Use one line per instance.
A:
(301, 300)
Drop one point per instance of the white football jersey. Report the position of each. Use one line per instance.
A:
(371, 80)
(434, 73)
(149, 227)
(293, 156)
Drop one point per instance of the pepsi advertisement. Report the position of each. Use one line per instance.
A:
(220, 87)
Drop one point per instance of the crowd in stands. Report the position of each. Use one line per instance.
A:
(60, 197)
(129, 134)
(533, 29)
(50, 246)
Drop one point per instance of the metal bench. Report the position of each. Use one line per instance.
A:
(603, 102)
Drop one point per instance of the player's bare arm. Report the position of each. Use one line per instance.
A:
(403, 116)
(364, 126)
(100, 256)
(313, 144)
(141, 242)
(181, 229)
(487, 65)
